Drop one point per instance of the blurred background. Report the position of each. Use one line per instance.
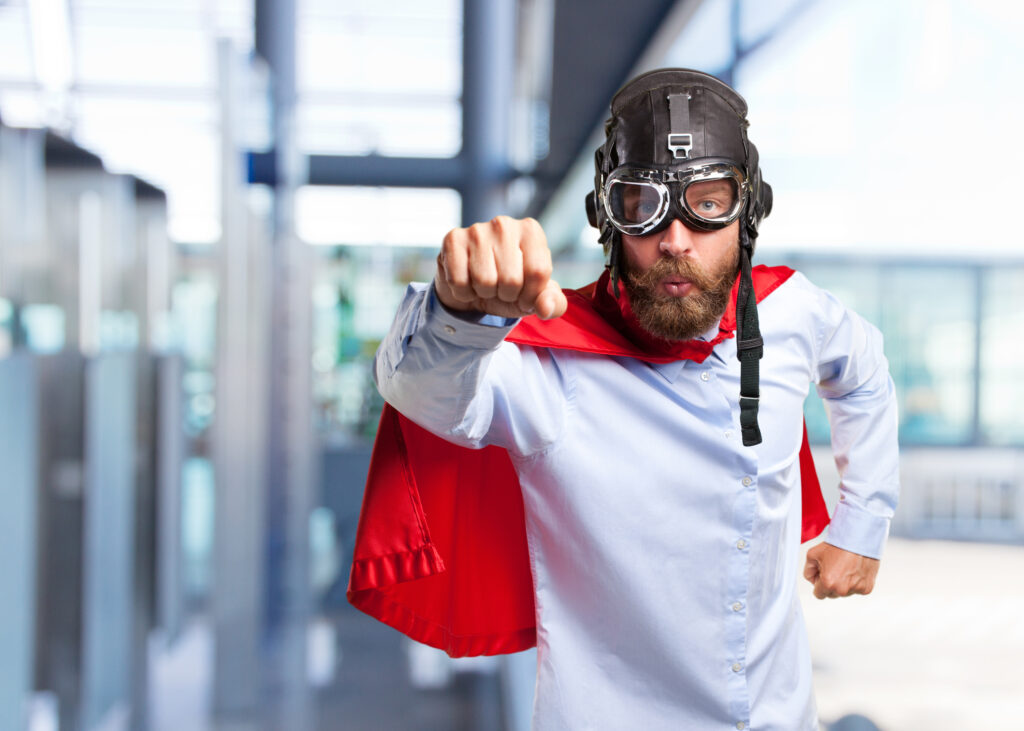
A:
(210, 208)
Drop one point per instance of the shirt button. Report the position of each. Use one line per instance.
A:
(449, 329)
(728, 433)
(741, 544)
(737, 606)
(747, 482)
(736, 667)
(740, 725)
(705, 376)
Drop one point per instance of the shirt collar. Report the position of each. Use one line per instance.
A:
(670, 371)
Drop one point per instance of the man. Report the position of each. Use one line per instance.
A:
(660, 478)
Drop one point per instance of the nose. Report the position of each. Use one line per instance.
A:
(677, 240)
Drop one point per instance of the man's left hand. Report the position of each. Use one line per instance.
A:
(835, 572)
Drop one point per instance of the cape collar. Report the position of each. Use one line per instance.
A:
(597, 322)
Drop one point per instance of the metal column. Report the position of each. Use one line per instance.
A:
(237, 589)
(290, 444)
(488, 89)
(19, 455)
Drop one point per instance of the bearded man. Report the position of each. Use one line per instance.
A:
(661, 514)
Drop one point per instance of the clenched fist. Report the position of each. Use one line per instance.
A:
(835, 572)
(501, 267)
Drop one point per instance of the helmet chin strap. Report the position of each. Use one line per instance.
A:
(614, 256)
(749, 345)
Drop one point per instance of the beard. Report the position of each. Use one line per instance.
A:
(680, 318)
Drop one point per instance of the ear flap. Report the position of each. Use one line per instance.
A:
(759, 205)
(592, 209)
(593, 215)
(766, 199)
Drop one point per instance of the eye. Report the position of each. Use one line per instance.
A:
(636, 202)
(644, 209)
(711, 199)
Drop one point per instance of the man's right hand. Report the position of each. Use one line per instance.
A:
(501, 267)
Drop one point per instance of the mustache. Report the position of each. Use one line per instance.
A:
(672, 267)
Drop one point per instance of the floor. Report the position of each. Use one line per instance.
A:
(936, 645)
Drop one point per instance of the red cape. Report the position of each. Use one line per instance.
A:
(479, 599)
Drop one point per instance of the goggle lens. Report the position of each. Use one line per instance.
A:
(637, 202)
(712, 200)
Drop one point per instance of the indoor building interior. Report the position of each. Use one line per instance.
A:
(210, 210)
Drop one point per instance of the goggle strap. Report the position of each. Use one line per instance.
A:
(749, 349)
(680, 141)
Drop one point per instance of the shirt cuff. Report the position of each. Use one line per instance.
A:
(467, 329)
(858, 531)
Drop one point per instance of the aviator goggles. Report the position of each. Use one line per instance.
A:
(707, 196)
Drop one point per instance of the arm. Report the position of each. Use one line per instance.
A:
(854, 381)
(444, 363)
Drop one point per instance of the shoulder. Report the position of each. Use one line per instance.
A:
(797, 291)
(798, 307)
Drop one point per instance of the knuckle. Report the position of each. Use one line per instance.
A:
(537, 270)
(532, 226)
(475, 233)
(485, 280)
(449, 243)
(512, 281)
(483, 242)
(501, 224)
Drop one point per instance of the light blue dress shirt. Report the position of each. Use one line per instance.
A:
(664, 552)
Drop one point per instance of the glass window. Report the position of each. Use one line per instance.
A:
(930, 324)
(1002, 364)
(928, 317)
(858, 287)
(382, 78)
(758, 18)
(16, 60)
(360, 215)
(705, 42)
(362, 124)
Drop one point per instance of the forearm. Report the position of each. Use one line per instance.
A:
(431, 364)
(864, 443)
(860, 399)
(455, 376)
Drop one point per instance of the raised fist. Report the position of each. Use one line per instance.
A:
(501, 267)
